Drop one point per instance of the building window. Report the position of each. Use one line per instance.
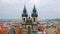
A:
(24, 19)
(34, 19)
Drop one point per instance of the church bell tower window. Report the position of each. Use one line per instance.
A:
(24, 19)
(34, 19)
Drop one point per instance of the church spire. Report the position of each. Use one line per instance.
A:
(34, 9)
(24, 12)
(34, 14)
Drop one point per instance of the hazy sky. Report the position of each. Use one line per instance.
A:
(12, 9)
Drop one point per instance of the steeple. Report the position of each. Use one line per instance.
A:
(34, 14)
(34, 9)
(24, 12)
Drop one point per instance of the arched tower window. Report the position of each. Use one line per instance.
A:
(34, 19)
(24, 19)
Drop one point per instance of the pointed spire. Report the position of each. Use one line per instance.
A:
(24, 10)
(34, 6)
(34, 14)
(34, 9)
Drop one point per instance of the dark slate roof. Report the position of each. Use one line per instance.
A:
(24, 15)
(24, 12)
(34, 9)
(34, 15)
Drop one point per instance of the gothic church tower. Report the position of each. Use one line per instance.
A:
(34, 14)
(24, 15)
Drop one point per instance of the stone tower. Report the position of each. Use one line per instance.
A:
(24, 15)
(34, 14)
(29, 27)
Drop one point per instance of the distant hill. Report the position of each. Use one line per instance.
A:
(9, 20)
(52, 20)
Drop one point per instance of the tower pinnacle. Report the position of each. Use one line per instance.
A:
(34, 14)
(34, 9)
(24, 12)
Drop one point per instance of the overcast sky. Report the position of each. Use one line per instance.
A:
(12, 9)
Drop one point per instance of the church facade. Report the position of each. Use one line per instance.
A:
(29, 25)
